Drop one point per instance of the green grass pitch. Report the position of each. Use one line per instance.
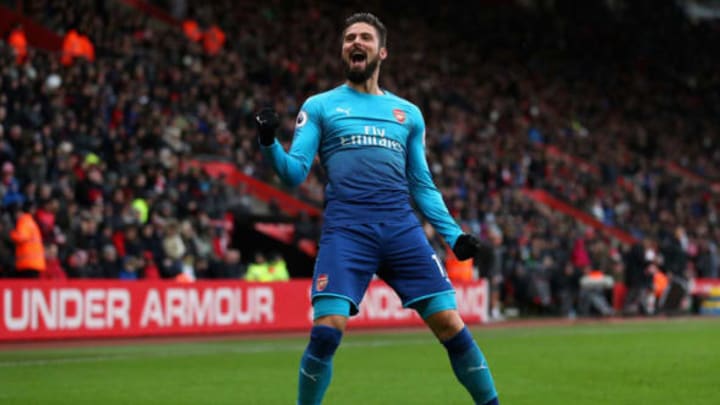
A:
(669, 362)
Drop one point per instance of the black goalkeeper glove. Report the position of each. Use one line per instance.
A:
(267, 121)
(470, 247)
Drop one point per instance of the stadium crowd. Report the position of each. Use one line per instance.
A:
(96, 149)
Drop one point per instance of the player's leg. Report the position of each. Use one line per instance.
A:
(316, 363)
(466, 358)
(346, 262)
(413, 270)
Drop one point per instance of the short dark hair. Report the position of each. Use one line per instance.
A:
(371, 19)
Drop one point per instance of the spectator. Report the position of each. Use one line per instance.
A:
(10, 187)
(131, 268)
(493, 272)
(110, 264)
(277, 267)
(78, 265)
(187, 270)
(133, 244)
(639, 278)
(93, 266)
(150, 271)
(233, 267)
(54, 270)
(673, 250)
(306, 228)
(566, 287)
(595, 286)
(150, 243)
(45, 216)
(174, 250)
(7, 255)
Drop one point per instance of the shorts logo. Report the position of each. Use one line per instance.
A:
(399, 115)
(321, 282)
(301, 119)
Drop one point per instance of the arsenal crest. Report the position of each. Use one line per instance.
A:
(399, 115)
(321, 282)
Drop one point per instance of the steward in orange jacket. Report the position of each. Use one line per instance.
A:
(18, 41)
(191, 29)
(459, 270)
(76, 46)
(213, 40)
(87, 48)
(29, 249)
(71, 47)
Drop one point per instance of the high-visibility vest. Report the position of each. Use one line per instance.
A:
(278, 270)
(258, 272)
(29, 250)
(266, 272)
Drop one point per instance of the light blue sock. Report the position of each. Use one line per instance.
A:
(470, 368)
(316, 364)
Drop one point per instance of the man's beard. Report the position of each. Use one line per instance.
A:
(361, 76)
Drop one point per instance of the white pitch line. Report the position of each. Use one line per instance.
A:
(201, 352)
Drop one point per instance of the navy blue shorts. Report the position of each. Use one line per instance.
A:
(399, 253)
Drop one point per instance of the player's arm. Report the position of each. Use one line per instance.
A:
(292, 167)
(428, 198)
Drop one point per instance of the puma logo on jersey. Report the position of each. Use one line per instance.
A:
(346, 111)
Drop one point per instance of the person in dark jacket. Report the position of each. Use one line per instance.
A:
(638, 277)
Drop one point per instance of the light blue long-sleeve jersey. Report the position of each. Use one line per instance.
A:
(372, 148)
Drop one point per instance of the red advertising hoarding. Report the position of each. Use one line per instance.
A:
(703, 286)
(75, 309)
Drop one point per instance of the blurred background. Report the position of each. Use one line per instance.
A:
(579, 138)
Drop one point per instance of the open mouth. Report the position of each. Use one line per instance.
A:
(357, 57)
